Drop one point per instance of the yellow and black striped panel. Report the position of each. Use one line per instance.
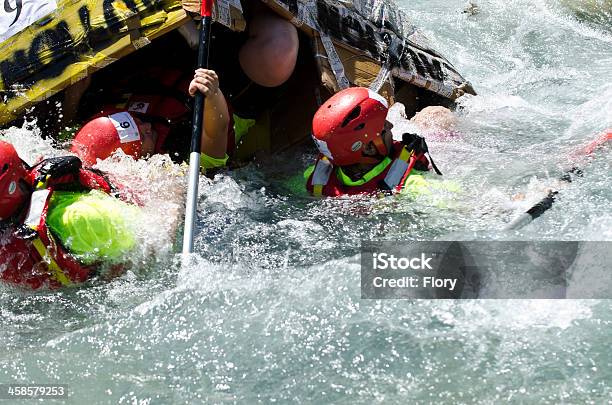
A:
(80, 37)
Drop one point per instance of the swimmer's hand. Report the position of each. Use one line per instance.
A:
(205, 81)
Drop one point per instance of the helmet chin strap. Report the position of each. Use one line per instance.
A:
(25, 164)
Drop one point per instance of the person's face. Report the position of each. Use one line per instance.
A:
(388, 135)
(149, 136)
(370, 149)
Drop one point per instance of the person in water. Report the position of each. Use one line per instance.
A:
(143, 124)
(155, 118)
(60, 224)
(357, 152)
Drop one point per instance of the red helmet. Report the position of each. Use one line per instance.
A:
(102, 136)
(12, 173)
(346, 123)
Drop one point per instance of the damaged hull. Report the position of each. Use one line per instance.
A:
(364, 42)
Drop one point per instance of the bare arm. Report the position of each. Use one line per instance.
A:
(216, 115)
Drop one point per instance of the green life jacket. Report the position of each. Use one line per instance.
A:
(93, 226)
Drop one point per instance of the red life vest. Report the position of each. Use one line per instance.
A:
(389, 175)
(166, 104)
(30, 256)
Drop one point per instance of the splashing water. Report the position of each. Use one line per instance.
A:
(270, 309)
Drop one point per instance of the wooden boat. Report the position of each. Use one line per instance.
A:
(47, 45)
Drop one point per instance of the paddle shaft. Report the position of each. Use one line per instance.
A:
(547, 202)
(534, 212)
(196, 134)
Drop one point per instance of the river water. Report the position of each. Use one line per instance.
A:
(268, 310)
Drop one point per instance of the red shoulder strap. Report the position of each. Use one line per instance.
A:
(94, 181)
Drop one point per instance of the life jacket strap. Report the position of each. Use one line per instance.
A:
(320, 177)
(56, 271)
(34, 221)
(38, 203)
(399, 169)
